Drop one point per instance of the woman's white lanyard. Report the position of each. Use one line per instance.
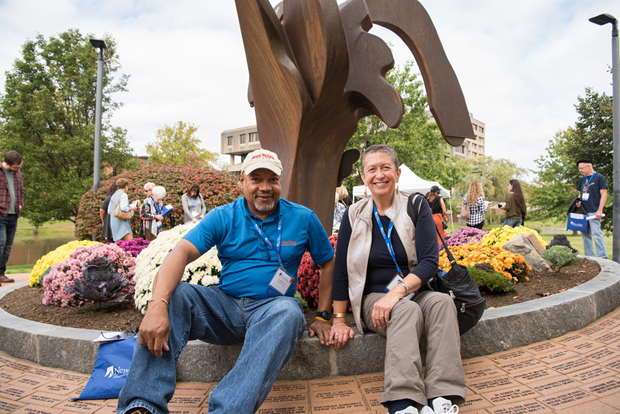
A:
(262, 234)
(387, 237)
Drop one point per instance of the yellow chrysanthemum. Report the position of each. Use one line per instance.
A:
(54, 257)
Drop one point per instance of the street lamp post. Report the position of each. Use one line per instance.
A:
(478, 172)
(99, 44)
(615, 70)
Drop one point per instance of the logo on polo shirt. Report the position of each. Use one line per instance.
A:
(288, 243)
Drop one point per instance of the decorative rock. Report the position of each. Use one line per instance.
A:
(521, 245)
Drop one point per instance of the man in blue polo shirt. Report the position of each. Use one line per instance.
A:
(261, 239)
(593, 194)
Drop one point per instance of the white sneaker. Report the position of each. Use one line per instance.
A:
(426, 410)
(409, 410)
(443, 406)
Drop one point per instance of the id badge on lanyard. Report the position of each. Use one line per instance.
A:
(585, 196)
(388, 241)
(281, 281)
(194, 212)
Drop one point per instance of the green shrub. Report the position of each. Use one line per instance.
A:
(560, 256)
(490, 280)
(493, 217)
(216, 187)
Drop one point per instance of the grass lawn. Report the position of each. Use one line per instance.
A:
(24, 227)
(19, 269)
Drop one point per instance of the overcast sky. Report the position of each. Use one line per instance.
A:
(521, 64)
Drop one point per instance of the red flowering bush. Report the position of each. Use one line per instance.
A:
(308, 277)
(216, 187)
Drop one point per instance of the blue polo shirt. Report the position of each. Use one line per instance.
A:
(248, 264)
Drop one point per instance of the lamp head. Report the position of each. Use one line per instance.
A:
(99, 44)
(602, 19)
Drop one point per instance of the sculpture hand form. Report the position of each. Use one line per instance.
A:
(315, 71)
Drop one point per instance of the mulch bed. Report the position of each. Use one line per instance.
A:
(26, 302)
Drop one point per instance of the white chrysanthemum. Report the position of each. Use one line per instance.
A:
(203, 271)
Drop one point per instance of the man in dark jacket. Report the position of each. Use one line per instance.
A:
(11, 203)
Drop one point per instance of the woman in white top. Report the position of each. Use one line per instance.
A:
(194, 207)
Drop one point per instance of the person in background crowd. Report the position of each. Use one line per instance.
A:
(152, 213)
(11, 204)
(194, 207)
(339, 210)
(121, 228)
(438, 208)
(148, 192)
(474, 199)
(106, 231)
(377, 239)
(592, 189)
(343, 195)
(515, 208)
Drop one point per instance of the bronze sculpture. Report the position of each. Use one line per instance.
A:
(315, 71)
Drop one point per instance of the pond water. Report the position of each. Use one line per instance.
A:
(27, 250)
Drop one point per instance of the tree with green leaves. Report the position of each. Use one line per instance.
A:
(496, 173)
(417, 140)
(179, 145)
(47, 114)
(557, 174)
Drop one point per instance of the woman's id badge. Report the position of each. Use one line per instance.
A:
(280, 283)
(395, 281)
(194, 214)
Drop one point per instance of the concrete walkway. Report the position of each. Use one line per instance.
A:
(575, 373)
(578, 372)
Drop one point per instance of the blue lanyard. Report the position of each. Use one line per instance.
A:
(193, 203)
(587, 183)
(158, 207)
(388, 240)
(262, 234)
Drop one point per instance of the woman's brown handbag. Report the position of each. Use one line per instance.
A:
(465, 212)
(118, 213)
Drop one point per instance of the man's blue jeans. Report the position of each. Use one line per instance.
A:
(268, 328)
(8, 225)
(594, 232)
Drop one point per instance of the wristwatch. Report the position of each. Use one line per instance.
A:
(324, 316)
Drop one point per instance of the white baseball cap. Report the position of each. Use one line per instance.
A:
(262, 158)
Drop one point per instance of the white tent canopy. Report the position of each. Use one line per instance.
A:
(409, 182)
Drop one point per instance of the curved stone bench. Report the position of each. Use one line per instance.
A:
(499, 329)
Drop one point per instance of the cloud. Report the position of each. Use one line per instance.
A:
(521, 65)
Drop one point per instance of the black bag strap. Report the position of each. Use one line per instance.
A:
(445, 246)
(413, 206)
(413, 210)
